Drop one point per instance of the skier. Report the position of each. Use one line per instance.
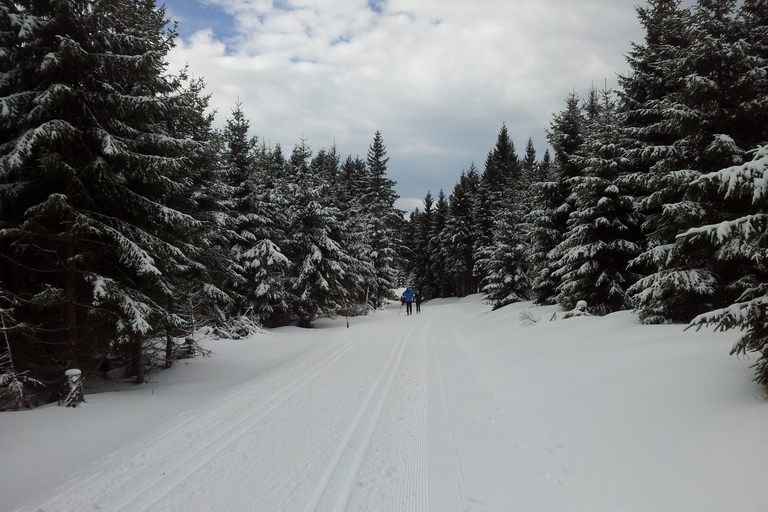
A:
(417, 298)
(408, 296)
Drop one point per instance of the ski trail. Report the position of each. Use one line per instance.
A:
(127, 486)
(342, 494)
(346, 490)
(228, 436)
(448, 490)
(392, 476)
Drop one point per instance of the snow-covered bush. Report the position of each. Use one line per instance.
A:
(12, 382)
(527, 318)
(579, 310)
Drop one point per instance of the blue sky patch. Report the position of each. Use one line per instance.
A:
(377, 6)
(340, 40)
(194, 16)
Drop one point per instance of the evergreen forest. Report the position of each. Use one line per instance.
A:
(127, 220)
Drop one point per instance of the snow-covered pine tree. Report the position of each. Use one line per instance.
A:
(543, 168)
(548, 218)
(208, 301)
(422, 225)
(319, 263)
(344, 190)
(92, 250)
(502, 168)
(384, 222)
(505, 264)
(529, 164)
(257, 226)
(707, 114)
(507, 267)
(458, 237)
(436, 245)
(742, 240)
(350, 192)
(603, 231)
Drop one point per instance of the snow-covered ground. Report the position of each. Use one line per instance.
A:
(456, 409)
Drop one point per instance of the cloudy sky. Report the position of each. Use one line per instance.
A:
(438, 78)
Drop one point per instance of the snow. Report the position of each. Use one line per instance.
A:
(458, 408)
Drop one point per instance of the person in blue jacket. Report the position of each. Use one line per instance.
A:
(408, 295)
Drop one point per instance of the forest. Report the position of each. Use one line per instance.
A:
(127, 220)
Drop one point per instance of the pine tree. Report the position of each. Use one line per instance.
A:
(548, 218)
(258, 224)
(383, 221)
(602, 230)
(459, 234)
(419, 262)
(543, 168)
(706, 115)
(741, 240)
(529, 164)
(351, 191)
(436, 245)
(314, 243)
(504, 264)
(507, 265)
(502, 170)
(93, 251)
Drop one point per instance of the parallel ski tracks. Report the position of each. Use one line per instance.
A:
(343, 476)
(342, 494)
(232, 433)
(447, 464)
(108, 487)
(344, 430)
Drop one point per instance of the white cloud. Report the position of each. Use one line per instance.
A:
(438, 78)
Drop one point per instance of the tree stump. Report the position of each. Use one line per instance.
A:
(75, 383)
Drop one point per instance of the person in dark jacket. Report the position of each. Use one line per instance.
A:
(408, 295)
(417, 299)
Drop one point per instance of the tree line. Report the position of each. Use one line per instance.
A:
(654, 198)
(127, 220)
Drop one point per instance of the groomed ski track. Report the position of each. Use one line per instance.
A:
(360, 423)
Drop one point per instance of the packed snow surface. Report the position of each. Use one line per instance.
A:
(455, 409)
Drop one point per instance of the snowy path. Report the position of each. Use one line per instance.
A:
(349, 427)
(458, 409)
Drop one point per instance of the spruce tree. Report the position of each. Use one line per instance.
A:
(741, 241)
(459, 234)
(504, 264)
(424, 279)
(210, 290)
(383, 221)
(352, 202)
(529, 163)
(437, 245)
(549, 217)
(95, 208)
(507, 265)
(602, 230)
(258, 223)
(314, 242)
(710, 117)
(502, 170)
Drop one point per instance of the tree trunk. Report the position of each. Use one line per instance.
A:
(70, 251)
(168, 350)
(70, 309)
(139, 360)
